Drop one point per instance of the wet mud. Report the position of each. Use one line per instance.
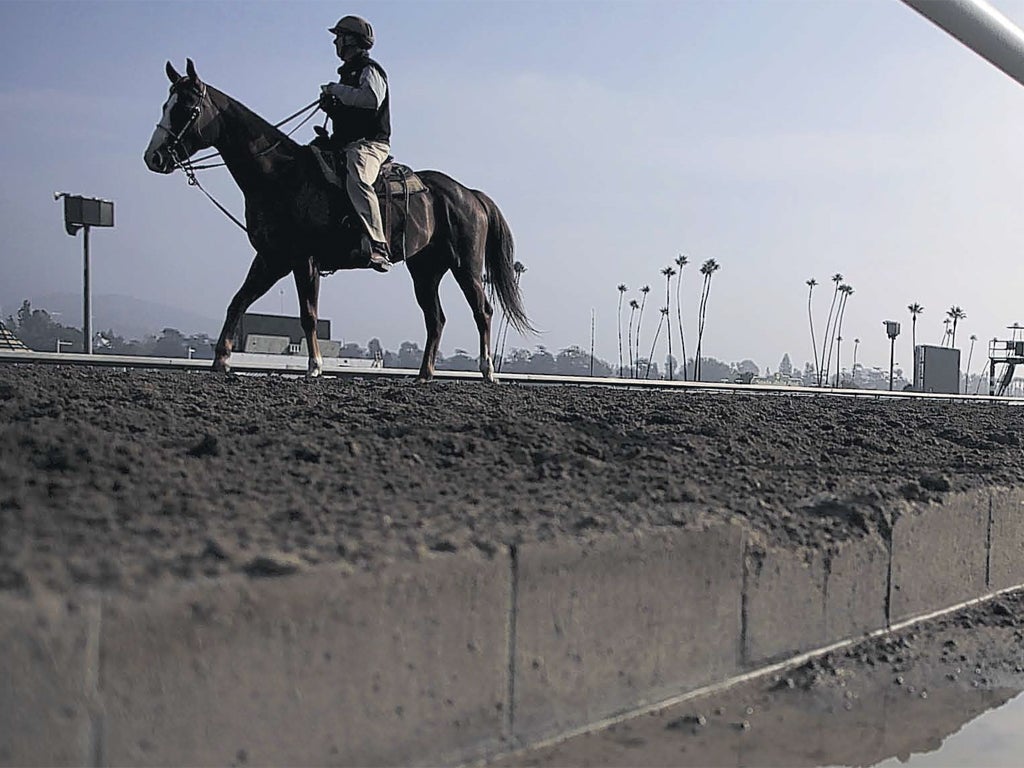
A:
(886, 699)
(123, 479)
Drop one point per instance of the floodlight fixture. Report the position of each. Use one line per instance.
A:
(84, 213)
(892, 330)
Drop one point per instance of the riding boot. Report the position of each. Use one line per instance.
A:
(372, 254)
(380, 255)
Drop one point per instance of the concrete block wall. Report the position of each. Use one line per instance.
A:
(626, 620)
(455, 657)
(939, 555)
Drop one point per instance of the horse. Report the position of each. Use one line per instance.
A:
(294, 221)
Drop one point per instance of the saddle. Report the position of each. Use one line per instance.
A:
(396, 185)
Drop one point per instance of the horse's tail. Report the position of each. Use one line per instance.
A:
(500, 266)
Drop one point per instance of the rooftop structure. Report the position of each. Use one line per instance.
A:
(10, 342)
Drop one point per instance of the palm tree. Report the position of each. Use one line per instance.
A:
(657, 333)
(639, 319)
(518, 267)
(634, 305)
(945, 333)
(956, 314)
(967, 373)
(810, 319)
(708, 268)
(915, 310)
(669, 273)
(829, 332)
(853, 368)
(681, 261)
(622, 293)
(846, 292)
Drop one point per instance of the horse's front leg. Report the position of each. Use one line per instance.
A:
(264, 272)
(426, 278)
(307, 283)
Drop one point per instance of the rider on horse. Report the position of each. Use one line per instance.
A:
(359, 106)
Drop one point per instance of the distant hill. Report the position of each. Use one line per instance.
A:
(128, 317)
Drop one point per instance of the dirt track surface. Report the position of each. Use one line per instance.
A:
(122, 479)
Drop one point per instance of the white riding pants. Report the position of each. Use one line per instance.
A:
(363, 159)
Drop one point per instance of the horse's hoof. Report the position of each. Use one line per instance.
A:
(313, 373)
(424, 379)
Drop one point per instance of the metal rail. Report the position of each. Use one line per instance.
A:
(981, 28)
(296, 366)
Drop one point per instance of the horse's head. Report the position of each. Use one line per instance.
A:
(185, 126)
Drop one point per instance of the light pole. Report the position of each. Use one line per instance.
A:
(84, 213)
(892, 330)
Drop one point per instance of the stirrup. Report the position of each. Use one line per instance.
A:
(380, 261)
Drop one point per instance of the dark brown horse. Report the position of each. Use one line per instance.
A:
(294, 221)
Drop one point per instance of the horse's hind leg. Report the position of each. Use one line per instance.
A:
(473, 287)
(263, 273)
(307, 283)
(426, 277)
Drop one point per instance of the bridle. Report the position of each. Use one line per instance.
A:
(174, 144)
(189, 167)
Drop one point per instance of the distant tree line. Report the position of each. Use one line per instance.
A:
(40, 331)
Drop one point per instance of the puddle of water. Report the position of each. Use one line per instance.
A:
(994, 739)
(883, 725)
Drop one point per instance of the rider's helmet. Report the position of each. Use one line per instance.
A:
(355, 25)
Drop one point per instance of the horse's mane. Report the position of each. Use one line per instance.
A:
(258, 124)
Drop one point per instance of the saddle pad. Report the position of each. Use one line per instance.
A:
(400, 180)
(395, 179)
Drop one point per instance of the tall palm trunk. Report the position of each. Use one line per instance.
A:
(679, 317)
(810, 319)
(639, 320)
(708, 268)
(657, 333)
(700, 330)
(839, 333)
(836, 278)
(668, 272)
(518, 268)
(632, 313)
(622, 292)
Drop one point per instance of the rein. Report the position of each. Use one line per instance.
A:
(189, 168)
(268, 149)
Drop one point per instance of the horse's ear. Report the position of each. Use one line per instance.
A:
(190, 70)
(172, 73)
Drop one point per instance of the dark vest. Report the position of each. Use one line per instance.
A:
(354, 123)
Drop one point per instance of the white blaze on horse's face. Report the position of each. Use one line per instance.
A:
(157, 156)
(186, 126)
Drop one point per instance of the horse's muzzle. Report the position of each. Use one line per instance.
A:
(159, 161)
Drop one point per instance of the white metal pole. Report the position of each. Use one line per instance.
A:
(981, 28)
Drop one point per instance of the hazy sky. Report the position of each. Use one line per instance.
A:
(787, 140)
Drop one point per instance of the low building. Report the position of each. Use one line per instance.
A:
(254, 324)
(263, 335)
(9, 342)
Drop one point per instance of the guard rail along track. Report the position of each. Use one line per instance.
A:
(296, 366)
